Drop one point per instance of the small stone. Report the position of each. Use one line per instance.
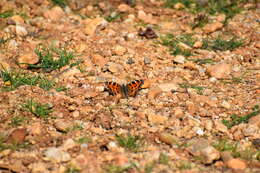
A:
(18, 20)
(68, 144)
(147, 18)
(168, 138)
(219, 70)
(209, 154)
(54, 14)
(69, 73)
(255, 120)
(236, 164)
(178, 112)
(179, 6)
(28, 58)
(257, 45)
(93, 26)
(198, 44)
(184, 46)
(20, 30)
(211, 27)
(167, 87)
(147, 61)
(56, 154)
(38, 167)
(99, 60)
(256, 143)
(251, 130)
(130, 61)
(221, 17)
(219, 126)
(201, 147)
(62, 125)
(119, 50)
(179, 59)
(123, 8)
(114, 68)
(35, 128)
(17, 136)
(154, 92)
(157, 119)
(225, 104)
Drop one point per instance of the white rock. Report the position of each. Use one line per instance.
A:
(20, 30)
(57, 154)
(179, 59)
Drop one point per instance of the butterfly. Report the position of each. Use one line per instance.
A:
(129, 90)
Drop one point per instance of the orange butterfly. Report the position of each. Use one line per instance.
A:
(129, 90)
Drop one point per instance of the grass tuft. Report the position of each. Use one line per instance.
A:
(173, 42)
(6, 14)
(17, 121)
(38, 109)
(113, 16)
(52, 59)
(61, 3)
(235, 120)
(212, 7)
(131, 143)
(118, 169)
(222, 45)
(13, 80)
(198, 88)
(14, 146)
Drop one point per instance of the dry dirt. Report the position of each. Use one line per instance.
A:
(175, 122)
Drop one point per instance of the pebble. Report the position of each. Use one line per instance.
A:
(68, 144)
(57, 154)
(35, 128)
(18, 20)
(114, 68)
(157, 119)
(198, 44)
(255, 120)
(93, 26)
(209, 154)
(236, 164)
(123, 8)
(54, 14)
(201, 147)
(219, 70)
(17, 136)
(119, 50)
(99, 60)
(130, 61)
(179, 59)
(225, 104)
(147, 18)
(168, 138)
(62, 125)
(38, 167)
(20, 30)
(211, 27)
(147, 61)
(29, 58)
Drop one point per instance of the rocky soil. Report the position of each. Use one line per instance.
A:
(193, 113)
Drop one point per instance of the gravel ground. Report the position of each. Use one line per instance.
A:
(194, 106)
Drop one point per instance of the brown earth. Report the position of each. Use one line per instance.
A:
(179, 124)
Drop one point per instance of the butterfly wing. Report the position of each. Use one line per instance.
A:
(133, 87)
(113, 88)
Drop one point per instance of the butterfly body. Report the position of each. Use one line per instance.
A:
(129, 90)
